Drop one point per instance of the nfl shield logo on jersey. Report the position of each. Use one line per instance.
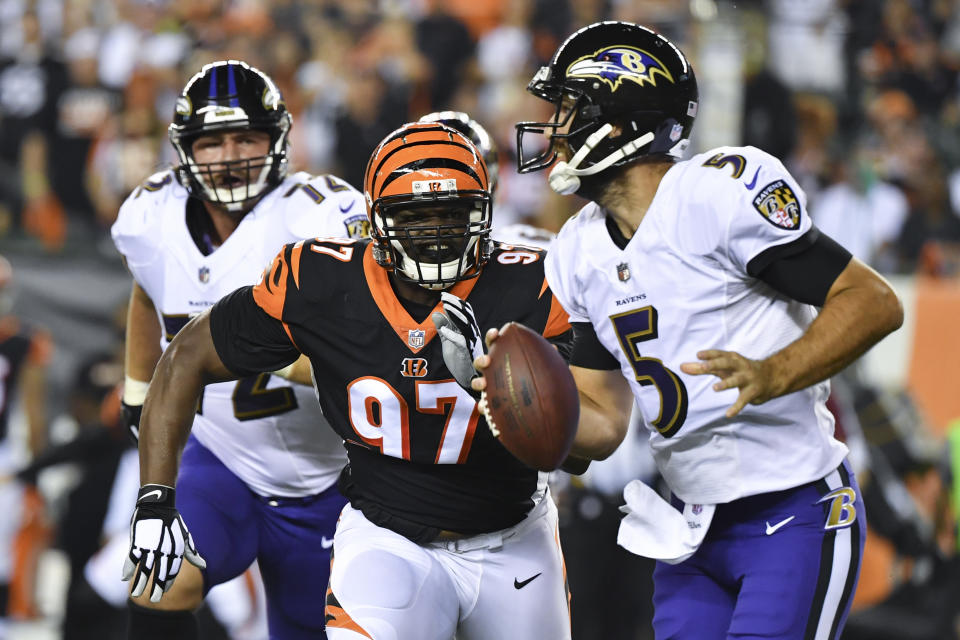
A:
(623, 271)
(416, 338)
(204, 275)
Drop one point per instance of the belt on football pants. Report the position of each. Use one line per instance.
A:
(461, 542)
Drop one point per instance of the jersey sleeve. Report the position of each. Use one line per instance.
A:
(251, 326)
(248, 339)
(136, 231)
(560, 271)
(325, 207)
(280, 283)
(765, 208)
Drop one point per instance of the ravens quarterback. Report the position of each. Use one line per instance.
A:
(257, 478)
(700, 290)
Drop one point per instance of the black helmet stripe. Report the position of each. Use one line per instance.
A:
(426, 142)
(427, 163)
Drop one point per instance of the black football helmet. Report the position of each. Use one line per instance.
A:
(230, 94)
(607, 75)
(469, 127)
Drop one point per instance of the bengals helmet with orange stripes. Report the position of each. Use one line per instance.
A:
(469, 127)
(428, 198)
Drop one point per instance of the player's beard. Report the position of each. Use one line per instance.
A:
(602, 187)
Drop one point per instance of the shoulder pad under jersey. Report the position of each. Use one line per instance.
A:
(136, 231)
(322, 206)
(745, 201)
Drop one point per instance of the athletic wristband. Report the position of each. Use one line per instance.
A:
(134, 391)
(159, 495)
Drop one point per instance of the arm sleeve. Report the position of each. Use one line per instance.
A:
(587, 350)
(564, 344)
(804, 269)
(249, 340)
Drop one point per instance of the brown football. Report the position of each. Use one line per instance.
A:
(532, 405)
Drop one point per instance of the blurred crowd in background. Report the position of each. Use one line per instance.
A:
(859, 98)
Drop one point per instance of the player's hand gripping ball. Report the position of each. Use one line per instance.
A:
(530, 400)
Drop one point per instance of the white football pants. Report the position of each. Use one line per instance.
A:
(496, 586)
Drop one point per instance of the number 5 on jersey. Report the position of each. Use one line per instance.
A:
(640, 325)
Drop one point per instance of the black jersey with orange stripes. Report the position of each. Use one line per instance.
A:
(421, 456)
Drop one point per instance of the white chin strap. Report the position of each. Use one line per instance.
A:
(565, 176)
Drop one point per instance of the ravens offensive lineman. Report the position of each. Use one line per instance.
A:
(445, 533)
(683, 270)
(258, 472)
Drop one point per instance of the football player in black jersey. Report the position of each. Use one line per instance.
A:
(446, 533)
(24, 354)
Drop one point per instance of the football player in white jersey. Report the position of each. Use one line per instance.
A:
(260, 466)
(693, 288)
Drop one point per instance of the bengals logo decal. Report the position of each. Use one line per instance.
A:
(413, 367)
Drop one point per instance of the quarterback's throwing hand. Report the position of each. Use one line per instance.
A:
(751, 377)
(159, 540)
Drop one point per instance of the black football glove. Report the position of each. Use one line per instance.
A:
(158, 539)
(460, 338)
(131, 419)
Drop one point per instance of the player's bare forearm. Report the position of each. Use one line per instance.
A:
(605, 404)
(142, 349)
(859, 311)
(190, 362)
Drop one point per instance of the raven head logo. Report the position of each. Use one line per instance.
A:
(615, 64)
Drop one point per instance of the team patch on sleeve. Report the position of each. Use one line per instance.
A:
(779, 205)
(357, 226)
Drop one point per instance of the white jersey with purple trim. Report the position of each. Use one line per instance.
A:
(267, 431)
(681, 286)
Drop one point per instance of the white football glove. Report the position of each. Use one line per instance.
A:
(460, 338)
(158, 538)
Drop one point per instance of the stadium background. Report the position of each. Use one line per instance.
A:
(860, 98)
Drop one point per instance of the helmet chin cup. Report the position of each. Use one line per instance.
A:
(562, 180)
(564, 177)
